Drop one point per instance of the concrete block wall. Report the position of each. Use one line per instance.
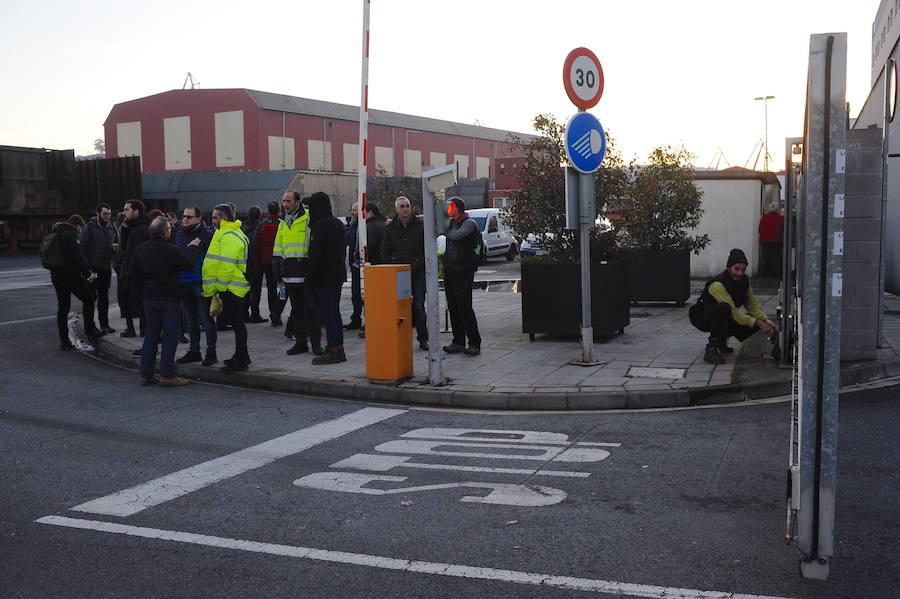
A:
(862, 245)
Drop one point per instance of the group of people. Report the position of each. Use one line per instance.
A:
(401, 240)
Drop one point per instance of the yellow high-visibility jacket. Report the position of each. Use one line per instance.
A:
(291, 251)
(225, 265)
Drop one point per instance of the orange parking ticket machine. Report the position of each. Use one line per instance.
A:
(389, 349)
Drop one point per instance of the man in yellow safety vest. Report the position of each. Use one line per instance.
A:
(224, 272)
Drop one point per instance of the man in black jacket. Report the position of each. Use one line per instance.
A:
(254, 268)
(460, 264)
(404, 243)
(327, 272)
(136, 222)
(156, 268)
(97, 239)
(375, 224)
(72, 279)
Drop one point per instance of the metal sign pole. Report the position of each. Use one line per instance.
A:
(586, 196)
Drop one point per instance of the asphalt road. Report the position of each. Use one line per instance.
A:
(657, 504)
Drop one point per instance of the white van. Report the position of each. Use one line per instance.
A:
(498, 237)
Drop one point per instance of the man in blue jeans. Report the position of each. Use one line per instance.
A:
(156, 270)
(327, 273)
(196, 307)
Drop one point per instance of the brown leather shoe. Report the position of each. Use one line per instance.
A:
(148, 382)
(174, 382)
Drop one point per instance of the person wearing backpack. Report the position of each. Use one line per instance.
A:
(460, 264)
(70, 278)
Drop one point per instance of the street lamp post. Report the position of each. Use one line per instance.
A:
(765, 100)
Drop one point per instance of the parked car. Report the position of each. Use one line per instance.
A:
(533, 245)
(498, 237)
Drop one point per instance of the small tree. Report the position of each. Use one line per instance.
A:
(99, 146)
(538, 206)
(662, 203)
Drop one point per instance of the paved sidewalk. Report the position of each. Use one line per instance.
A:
(657, 362)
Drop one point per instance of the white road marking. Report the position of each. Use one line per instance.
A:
(499, 435)
(24, 320)
(500, 493)
(545, 453)
(624, 589)
(131, 501)
(383, 463)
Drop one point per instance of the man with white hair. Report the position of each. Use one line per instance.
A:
(404, 243)
(771, 240)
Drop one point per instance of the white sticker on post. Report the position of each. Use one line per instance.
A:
(837, 285)
(839, 243)
(838, 205)
(840, 162)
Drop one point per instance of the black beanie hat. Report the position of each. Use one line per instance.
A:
(460, 204)
(735, 257)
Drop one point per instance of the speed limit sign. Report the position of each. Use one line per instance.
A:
(583, 78)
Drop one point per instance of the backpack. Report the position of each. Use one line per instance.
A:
(51, 252)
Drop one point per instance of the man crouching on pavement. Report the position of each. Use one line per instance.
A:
(716, 311)
(156, 268)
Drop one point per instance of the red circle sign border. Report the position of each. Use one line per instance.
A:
(567, 66)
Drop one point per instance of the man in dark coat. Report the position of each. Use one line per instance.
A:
(404, 243)
(261, 248)
(250, 227)
(326, 271)
(71, 279)
(156, 267)
(354, 262)
(717, 309)
(196, 307)
(97, 239)
(375, 224)
(137, 222)
(460, 264)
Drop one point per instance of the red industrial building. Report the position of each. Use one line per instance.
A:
(241, 129)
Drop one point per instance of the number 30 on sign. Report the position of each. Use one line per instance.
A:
(583, 78)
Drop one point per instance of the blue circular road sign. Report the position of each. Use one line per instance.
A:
(585, 142)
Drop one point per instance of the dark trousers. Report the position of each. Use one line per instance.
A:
(253, 297)
(233, 308)
(716, 319)
(329, 303)
(458, 288)
(100, 288)
(276, 306)
(355, 295)
(770, 258)
(196, 312)
(418, 307)
(304, 319)
(163, 323)
(66, 284)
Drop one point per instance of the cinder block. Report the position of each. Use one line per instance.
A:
(862, 229)
(854, 160)
(866, 338)
(848, 294)
(862, 184)
(866, 295)
(868, 251)
(865, 206)
(858, 273)
(870, 161)
(849, 251)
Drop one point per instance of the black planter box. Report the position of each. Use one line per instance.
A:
(659, 276)
(551, 298)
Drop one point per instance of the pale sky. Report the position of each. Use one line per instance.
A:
(675, 71)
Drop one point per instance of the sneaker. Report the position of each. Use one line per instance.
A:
(363, 334)
(173, 382)
(725, 349)
(232, 361)
(136, 353)
(454, 348)
(94, 334)
(107, 330)
(183, 339)
(276, 320)
(128, 333)
(713, 355)
(148, 382)
(191, 356)
(300, 347)
(224, 327)
(210, 358)
(472, 350)
(353, 324)
(423, 344)
(317, 348)
(65, 346)
(289, 333)
(332, 355)
(256, 319)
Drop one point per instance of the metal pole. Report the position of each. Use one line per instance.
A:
(432, 299)
(363, 138)
(889, 70)
(586, 193)
(765, 100)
